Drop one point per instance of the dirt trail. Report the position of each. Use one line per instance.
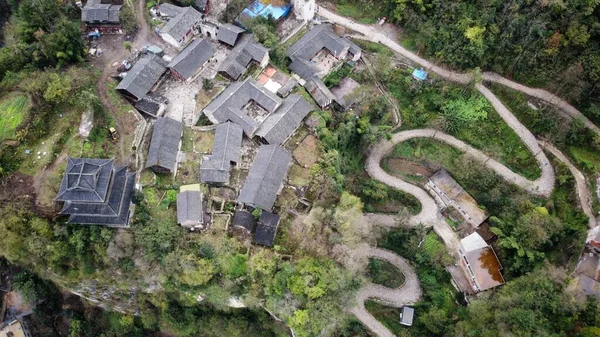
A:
(375, 35)
(430, 214)
(409, 293)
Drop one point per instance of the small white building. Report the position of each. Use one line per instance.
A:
(304, 9)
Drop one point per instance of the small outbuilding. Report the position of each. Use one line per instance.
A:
(319, 92)
(266, 229)
(480, 263)
(407, 316)
(244, 221)
(164, 146)
(190, 209)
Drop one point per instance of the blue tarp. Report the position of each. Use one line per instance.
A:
(420, 74)
(257, 8)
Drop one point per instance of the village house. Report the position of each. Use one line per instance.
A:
(587, 272)
(167, 10)
(279, 121)
(246, 51)
(266, 229)
(190, 210)
(191, 59)
(95, 12)
(180, 29)
(319, 92)
(227, 147)
(319, 38)
(96, 192)
(142, 77)
(229, 34)
(480, 263)
(265, 178)
(280, 125)
(447, 192)
(164, 146)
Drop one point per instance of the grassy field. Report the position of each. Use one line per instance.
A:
(12, 113)
(385, 273)
(362, 14)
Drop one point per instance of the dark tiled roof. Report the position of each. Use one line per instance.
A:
(287, 87)
(229, 33)
(319, 92)
(226, 149)
(228, 105)
(266, 176)
(169, 10)
(112, 209)
(178, 26)
(303, 67)
(142, 76)
(244, 220)
(189, 208)
(321, 36)
(266, 229)
(194, 56)
(164, 145)
(85, 180)
(247, 50)
(280, 125)
(94, 11)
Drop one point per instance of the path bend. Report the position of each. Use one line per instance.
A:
(409, 293)
(372, 34)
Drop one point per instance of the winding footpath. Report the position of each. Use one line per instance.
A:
(430, 214)
(372, 34)
(409, 293)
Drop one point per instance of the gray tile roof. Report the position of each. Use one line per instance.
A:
(227, 148)
(266, 229)
(142, 76)
(303, 68)
(192, 58)
(178, 26)
(96, 192)
(247, 50)
(229, 33)
(244, 219)
(228, 105)
(164, 145)
(321, 36)
(319, 92)
(189, 208)
(94, 11)
(169, 10)
(287, 87)
(85, 180)
(281, 124)
(266, 176)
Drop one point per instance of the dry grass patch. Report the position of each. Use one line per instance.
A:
(307, 153)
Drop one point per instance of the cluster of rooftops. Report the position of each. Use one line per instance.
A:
(96, 191)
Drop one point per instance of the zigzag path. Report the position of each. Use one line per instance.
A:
(430, 214)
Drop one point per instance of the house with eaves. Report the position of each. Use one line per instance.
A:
(142, 77)
(96, 192)
(274, 124)
(265, 178)
(191, 59)
(226, 153)
(320, 38)
(248, 50)
(164, 146)
(181, 28)
(95, 12)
